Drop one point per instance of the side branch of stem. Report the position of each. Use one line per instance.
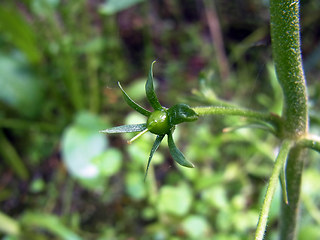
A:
(273, 182)
(233, 111)
(313, 144)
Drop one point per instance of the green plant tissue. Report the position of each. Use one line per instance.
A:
(81, 144)
(175, 200)
(19, 88)
(113, 6)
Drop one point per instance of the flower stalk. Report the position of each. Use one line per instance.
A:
(234, 111)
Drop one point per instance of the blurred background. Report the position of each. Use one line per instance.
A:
(60, 61)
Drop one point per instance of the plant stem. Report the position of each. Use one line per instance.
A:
(310, 143)
(285, 36)
(273, 182)
(285, 33)
(290, 212)
(213, 110)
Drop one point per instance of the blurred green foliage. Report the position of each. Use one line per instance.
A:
(62, 179)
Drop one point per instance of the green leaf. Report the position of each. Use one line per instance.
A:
(11, 157)
(9, 225)
(44, 8)
(154, 148)
(81, 144)
(19, 32)
(176, 154)
(196, 227)
(151, 95)
(37, 185)
(114, 6)
(109, 162)
(175, 200)
(181, 113)
(126, 128)
(19, 87)
(136, 89)
(50, 223)
(310, 232)
(135, 187)
(134, 105)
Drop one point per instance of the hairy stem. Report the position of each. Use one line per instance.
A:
(313, 144)
(213, 110)
(290, 212)
(273, 182)
(285, 35)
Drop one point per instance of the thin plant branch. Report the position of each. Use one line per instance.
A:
(273, 182)
(213, 110)
(311, 143)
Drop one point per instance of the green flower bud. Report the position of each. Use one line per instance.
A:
(158, 122)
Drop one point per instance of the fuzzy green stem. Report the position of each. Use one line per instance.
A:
(273, 182)
(285, 36)
(313, 144)
(285, 33)
(290, 212)
(234, 111)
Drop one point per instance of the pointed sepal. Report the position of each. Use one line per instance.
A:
(133, 104)
(153, 150)
(151, 95)
(176, 154)
(126, 128)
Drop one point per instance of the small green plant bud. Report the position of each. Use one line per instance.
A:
(161, 122)
(158, 122)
